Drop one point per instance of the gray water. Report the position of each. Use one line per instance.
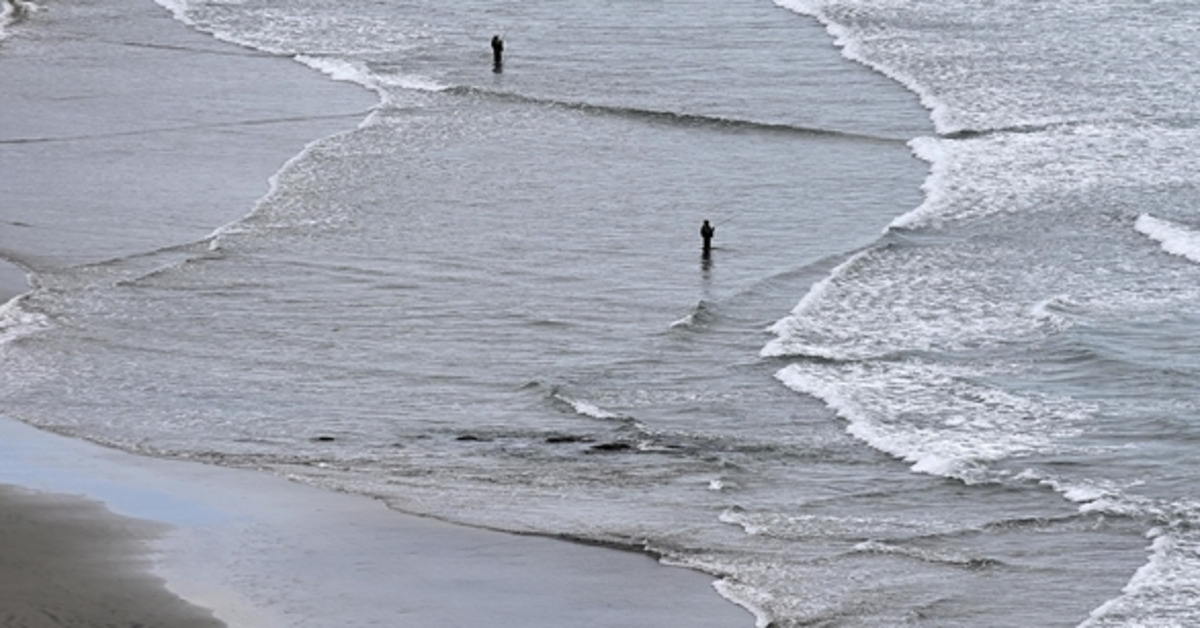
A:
(486, 302)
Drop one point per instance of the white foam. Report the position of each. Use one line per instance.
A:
(7, 11)
(351, 72)
(238, 227)
(686, 321)
(753, 600)
(11, 11)
(696, 318)
(587, 408)
(893, 300)
(178, 9)
(1098, 496)
(1175, 239)
(1046, 311)
(339, 69)
(1084, 494)
(929, 555)
(414, 82)
(786, 328)
(933, 151)
(1162, 592)
(16, 321)
(738, 517)
(847, 39)
(938, 418)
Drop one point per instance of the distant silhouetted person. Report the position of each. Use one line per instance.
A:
(706, 232)
(497, 53)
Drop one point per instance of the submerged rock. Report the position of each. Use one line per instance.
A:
(608, 447)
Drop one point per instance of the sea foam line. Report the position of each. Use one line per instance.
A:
(785, 328)
(843, 38)
(1175, 239)
(336, 69)
(928, 149)
(1161, 592)
(178, 9)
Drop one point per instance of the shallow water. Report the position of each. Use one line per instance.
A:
(487, 302)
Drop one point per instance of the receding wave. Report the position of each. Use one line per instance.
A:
(673, 118)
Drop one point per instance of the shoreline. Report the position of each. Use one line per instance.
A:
(260, 550)
(200, 541)
(97, 559)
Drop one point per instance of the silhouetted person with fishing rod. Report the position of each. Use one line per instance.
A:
(497, 53)
(706, 232)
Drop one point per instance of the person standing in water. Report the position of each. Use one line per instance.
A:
(497, 53)
(706, 232)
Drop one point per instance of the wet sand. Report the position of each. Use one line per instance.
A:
(68, 561)
(262, 551)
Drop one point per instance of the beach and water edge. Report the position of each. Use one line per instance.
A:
(120, 538)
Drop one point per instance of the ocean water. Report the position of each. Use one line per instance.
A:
(939, 370)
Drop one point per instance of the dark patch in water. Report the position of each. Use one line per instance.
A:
(609, 447)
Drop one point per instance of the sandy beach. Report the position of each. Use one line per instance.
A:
(258, 550)
(68, 561)
(95, 536)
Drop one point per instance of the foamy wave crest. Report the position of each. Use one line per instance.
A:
(896, 299)
(358, 73)
(698, 317)
(1162, 592)
(1097, 496)
(853, 40)
(340, 70)
(931, 150)
(13, 11)
(272, 40)
(937, 418)
(787, 329)
(1032, 169)
(16, 321)
(1051, 311)
(272, 211)
(755, 601)
(1175, 239)
(349, 72)
(587, 408)
(178, 9)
